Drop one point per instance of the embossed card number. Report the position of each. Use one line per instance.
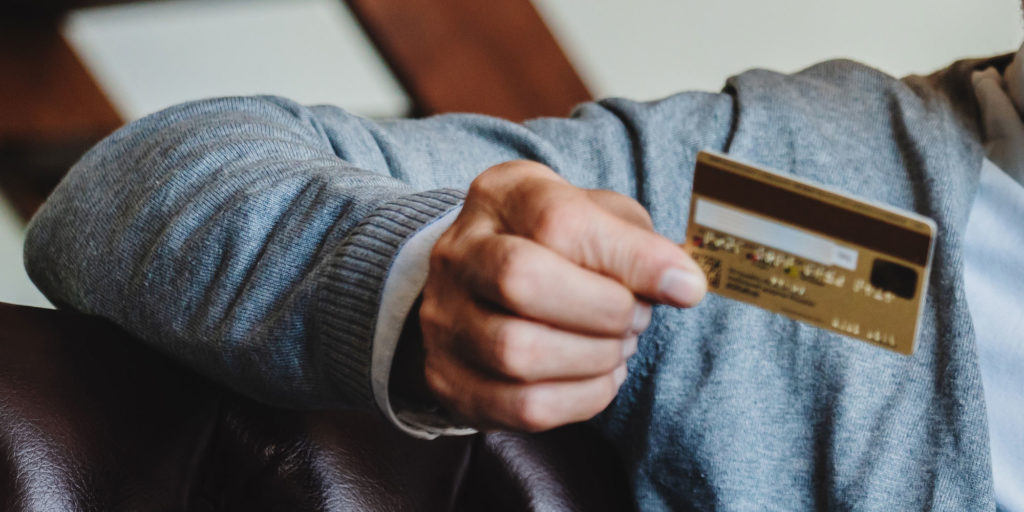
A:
(813, 254)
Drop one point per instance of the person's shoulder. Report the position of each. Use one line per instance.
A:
(846, 81)
(844, 70)
(829, 70)
(842, 114)
(847, 91)
(829, 80)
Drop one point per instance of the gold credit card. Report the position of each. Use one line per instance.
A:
(815, 255)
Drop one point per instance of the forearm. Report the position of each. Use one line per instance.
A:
(250, 237)
(230, 234)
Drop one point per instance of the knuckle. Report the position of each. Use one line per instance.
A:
(645, 218)
(514, 351)
(558, 218)
(600, 398)
(435, 379)
(485, 182)
(624, 317)
(628, 208)
(638, 212)
(516, 278)
(533, 410)
(444, 255)
(523, 168)
(497, 179)
(605, 398)
(618, 320)
(610, 359)
(432, 315)
(482, 192)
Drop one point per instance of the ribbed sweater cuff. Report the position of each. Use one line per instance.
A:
(350, 295)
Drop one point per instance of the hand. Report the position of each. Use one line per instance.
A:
(536, 295)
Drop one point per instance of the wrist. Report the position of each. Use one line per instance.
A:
(408, 384)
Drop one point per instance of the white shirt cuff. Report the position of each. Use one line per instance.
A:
(403, 284)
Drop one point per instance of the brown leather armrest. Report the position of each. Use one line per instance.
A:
(91, 419)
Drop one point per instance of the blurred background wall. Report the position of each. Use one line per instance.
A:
(143, 56)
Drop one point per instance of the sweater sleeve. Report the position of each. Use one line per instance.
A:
(251, 237)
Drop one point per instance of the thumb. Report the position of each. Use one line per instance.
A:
(647, 263)
(650, 265)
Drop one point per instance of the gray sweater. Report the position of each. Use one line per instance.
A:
(250, 238)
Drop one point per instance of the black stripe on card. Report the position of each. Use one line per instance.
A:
(810, 213)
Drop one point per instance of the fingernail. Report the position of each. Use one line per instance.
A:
(641, 317)
(629, 347)
(620, 375)
(681, 287)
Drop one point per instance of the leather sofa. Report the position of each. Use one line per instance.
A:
(93, 420)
